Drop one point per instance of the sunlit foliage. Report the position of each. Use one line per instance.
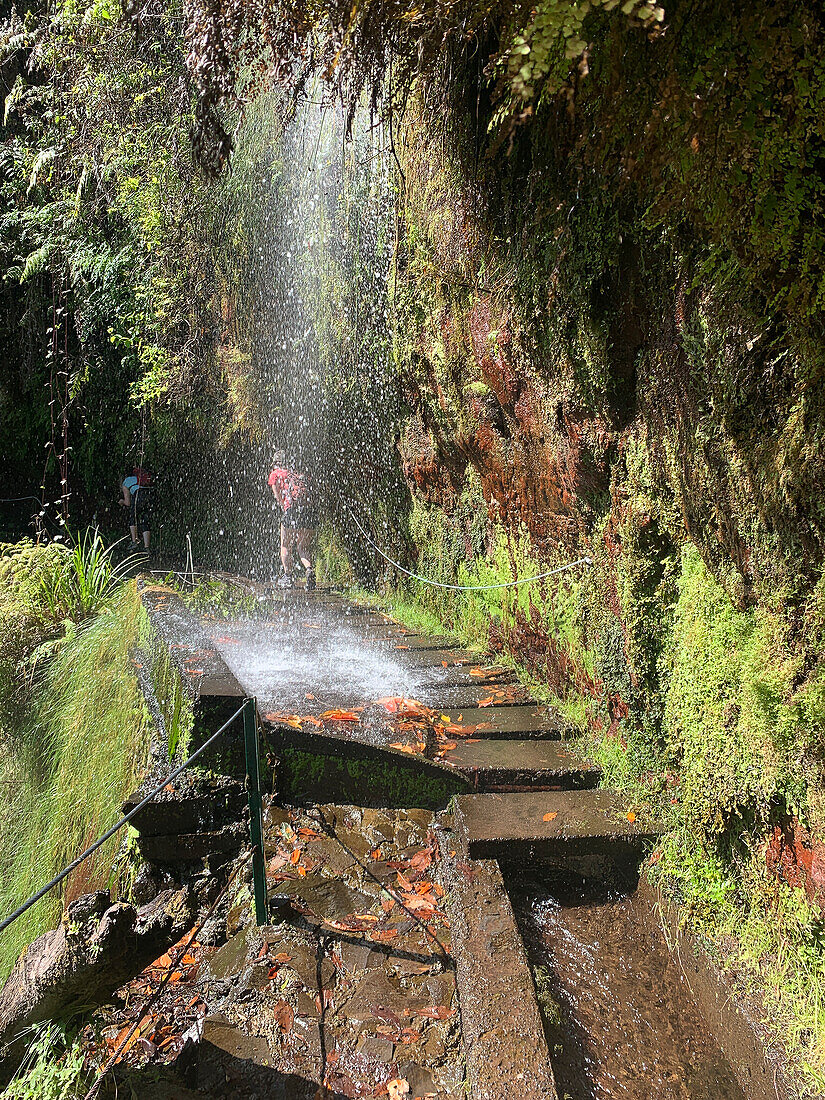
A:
(105, 287)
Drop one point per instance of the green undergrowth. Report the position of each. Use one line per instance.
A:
(53, 1068)
(725, 741)
(219, 598)
(74, 742)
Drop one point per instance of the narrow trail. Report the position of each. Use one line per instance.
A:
(380, 726)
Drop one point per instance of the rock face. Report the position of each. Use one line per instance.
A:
(97, 947)
(577, 383)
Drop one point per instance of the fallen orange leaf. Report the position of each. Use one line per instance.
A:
(292, 720)
(551, 816)
(284, 1015)
(436, 1012)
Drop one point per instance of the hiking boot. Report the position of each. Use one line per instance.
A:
(285, 581)
(311, 580)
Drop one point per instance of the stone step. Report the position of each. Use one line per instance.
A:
(446, 657)
(191, 847)
(551, 823)
(452, 696)
(522, 765)
(409, 639)
(503, 723)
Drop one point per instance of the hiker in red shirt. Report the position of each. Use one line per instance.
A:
(299, 518)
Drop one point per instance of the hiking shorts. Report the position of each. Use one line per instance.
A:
(140, 510)
(300, 517)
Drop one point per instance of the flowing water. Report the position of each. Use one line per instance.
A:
(283, 661)
(315, 656)
(621, 1020)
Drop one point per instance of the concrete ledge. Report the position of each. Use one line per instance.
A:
(314, 766)
(202, 670)
(552, 824)
(507, 1054)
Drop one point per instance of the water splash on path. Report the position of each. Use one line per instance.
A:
(282, 662)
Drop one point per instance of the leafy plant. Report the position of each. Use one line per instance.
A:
(81, 579)
(53, 1067)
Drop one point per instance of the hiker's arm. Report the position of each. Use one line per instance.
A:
(125, 498)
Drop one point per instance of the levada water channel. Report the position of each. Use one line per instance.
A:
(417, 721)
(409, 776)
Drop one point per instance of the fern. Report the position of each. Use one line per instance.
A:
(37, 261)
(44, 157)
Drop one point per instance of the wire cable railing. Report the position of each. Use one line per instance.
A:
(468, 587)
(248, 710)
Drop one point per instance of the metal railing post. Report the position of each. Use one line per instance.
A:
(256, 824)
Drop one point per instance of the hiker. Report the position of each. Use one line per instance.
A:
(299, 520)
(135, 490)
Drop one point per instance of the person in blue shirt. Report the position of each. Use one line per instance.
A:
(136, 496)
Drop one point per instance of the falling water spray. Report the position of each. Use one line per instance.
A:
(306, 348)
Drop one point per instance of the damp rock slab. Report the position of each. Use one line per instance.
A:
(202, 670)
(491, 764)
(506, 723)
(558, 823)
(501, 1027)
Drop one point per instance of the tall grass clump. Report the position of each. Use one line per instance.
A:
(69, 767)
(80, 578)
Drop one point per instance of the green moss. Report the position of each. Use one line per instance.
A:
(68, 770)
(733, 725)
(302, 775)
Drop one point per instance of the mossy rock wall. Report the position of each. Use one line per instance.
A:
(609, 351)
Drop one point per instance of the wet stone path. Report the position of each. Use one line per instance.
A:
(350, 988)
(393, 964)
